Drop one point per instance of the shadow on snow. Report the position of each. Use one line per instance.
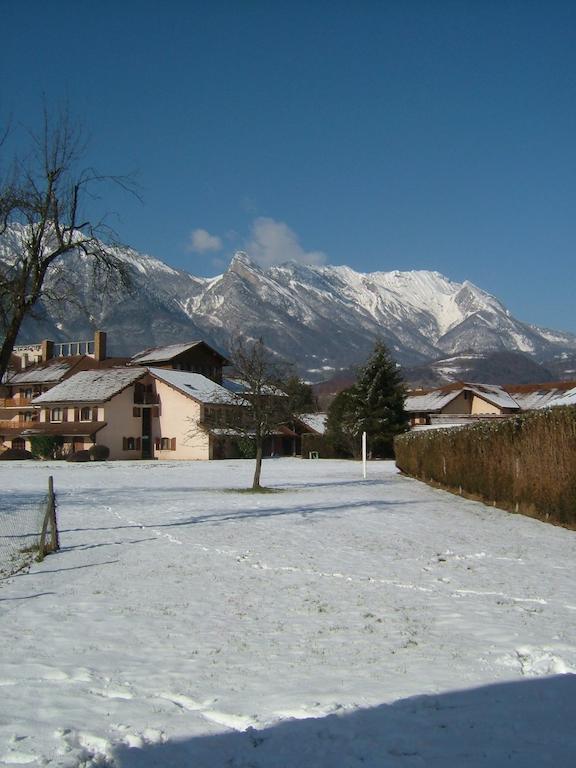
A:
(520, 724)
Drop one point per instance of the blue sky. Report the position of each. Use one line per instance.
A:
(383, 135)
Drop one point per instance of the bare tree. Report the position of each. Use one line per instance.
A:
(42, 220)
(261, 405)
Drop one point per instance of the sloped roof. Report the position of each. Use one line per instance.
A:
(241, 386)
(63, 428)
(58, 368)
(439, 398)
(164, 354)
(314, 421)
(539, 398)
(568, 398)
(430, 402)
(196, 386)
(53, 370)
(494, 394)
(91, 386)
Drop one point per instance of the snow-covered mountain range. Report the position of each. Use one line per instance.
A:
(323, 318)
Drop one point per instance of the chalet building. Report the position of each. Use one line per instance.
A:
(165, 403)
(194, 356)
(136, 412)
(35, 369)
(463, 403)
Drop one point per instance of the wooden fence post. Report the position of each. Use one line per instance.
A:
(54, 539)
(49, 520)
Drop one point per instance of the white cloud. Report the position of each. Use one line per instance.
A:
(202, 241)
(273, 242)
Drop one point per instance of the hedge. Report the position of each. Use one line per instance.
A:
(524, 463)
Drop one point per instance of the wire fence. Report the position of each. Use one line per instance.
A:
(28, 529)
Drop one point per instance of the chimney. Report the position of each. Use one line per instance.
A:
(47, 350)
(99, 345)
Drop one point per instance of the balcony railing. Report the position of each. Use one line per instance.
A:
(146, 398)
(18, 423)
(18, 401)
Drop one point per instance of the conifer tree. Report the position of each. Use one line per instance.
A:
(378, 402)
(375, 405)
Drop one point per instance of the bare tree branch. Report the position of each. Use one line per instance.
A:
(262, 406)
(41, 200)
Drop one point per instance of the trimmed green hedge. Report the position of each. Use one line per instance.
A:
(523, 463)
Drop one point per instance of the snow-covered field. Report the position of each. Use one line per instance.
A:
(335, 623)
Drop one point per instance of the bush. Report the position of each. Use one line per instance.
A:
(15, 454)
(78, 456)
(47, 446)
(99, 452)
(522, 463)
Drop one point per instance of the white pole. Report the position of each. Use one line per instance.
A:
(364, 455)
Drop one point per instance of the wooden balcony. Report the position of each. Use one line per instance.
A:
(18, 401)
(146, 398)
(18, 423)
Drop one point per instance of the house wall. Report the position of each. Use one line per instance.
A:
(120, 423)
(460, 405)
(200, 360)
(482, 406)
(469, 403)
(179, 418)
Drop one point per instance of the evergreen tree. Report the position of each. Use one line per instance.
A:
(340, 428)
(379, 396)
(302, 397)
(375, 405)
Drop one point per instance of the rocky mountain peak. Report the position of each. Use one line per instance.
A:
(322, 318)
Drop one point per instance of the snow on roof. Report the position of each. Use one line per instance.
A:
(494, 394)
(568, 398)
(240, 386)
(91, 386)
(163, 354)
(315, 421)
(540, 398)
(432, 401)
(234, 385)
(44, 372)
(439, 398)
(196, 386)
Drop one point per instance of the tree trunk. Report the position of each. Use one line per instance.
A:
(9, 341)
(258, 467)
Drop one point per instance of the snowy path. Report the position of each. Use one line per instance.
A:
(184, 624)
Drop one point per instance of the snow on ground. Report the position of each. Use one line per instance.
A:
(335, 623)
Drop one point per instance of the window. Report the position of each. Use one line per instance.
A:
(136, 413)
(85, 414)
(131, 443)
(165, 443)
(56, 414)
(19, 443)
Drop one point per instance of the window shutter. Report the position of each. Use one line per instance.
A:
(136, 412)
(157, 443)
(173, 444)
(138, 444)
(64, 414)
(76, 414)
(155, 412)
(124, 443)
(94, 414)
